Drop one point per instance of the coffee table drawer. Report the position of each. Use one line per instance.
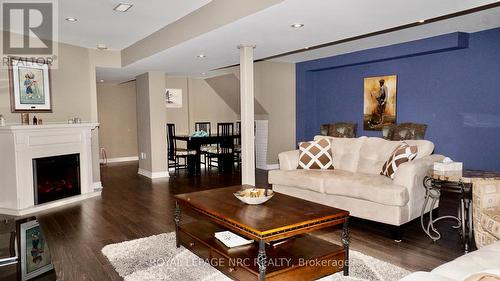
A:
(194, 245)
(231, 267)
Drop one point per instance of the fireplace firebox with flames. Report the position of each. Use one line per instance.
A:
(56, 177)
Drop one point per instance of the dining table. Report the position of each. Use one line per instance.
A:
(196, 142)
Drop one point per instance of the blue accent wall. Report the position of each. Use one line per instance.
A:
(450, 82)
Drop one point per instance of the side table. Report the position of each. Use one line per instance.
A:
(455, 182)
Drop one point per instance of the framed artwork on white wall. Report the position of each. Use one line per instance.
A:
(29, 86)
(173, 98)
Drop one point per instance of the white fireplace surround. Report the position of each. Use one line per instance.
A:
(20, 144)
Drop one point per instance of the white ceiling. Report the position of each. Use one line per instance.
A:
(325, 21)
(98, 23)
(483, 20)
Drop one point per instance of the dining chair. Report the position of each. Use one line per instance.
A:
(206, 127)
(221, 150)
(237, 144)
(203, 126)
(175, 153)
(225, 129)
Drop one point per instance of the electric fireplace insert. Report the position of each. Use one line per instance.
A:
(56, 177)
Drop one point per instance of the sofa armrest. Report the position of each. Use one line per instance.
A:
(486, 194)
(289, 160)
(411, 175)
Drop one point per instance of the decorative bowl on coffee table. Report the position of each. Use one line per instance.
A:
(254, 196)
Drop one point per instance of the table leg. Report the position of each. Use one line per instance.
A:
(177, 221)
(467, 212)
(467, 198)
(463, 216)
(346, 240)
(194, 161)
(227, 163)
(262, 260)
(432, 194)
(470, 233)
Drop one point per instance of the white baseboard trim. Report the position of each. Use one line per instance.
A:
(153, 175)
(50, 205)
(97, 185)
(268, 167)
(121, 159)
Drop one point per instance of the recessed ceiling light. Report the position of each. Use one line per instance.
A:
(102, 81)
(203, 73)
(71, 19)
(421, 21)
(201, 56)
(297, 25)
(102, 46)
(123, 7)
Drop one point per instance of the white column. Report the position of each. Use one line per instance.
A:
(247, 115)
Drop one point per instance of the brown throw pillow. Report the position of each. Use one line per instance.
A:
(402, 154)
(315, 155)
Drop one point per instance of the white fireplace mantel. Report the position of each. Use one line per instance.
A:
(20, 144)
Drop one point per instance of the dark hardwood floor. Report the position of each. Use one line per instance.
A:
(132, 207)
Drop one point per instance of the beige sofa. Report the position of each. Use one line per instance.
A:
(467, 267)
(356, 184)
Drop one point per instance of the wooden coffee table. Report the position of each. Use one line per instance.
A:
(283, 249)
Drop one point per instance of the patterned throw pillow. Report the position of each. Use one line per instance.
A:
(402, 154)
(315, 155)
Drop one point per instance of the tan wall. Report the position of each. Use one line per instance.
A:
(158, 120)
(118, 119)
(151, 120)
(70, 84)
(275, 90)
(199, 103)
(206, 105)
(143, 125)
(98, 58)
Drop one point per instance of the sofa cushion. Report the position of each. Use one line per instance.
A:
(315, 155)
(306, 179)
(402, 154)
(375, 151)
(477, 261)
(375, 188)
(482, 260)
(425, 147)
(345, 152)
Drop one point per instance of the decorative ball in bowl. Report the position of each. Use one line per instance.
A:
(254, 196)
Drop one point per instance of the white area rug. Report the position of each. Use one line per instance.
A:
(156, 258)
